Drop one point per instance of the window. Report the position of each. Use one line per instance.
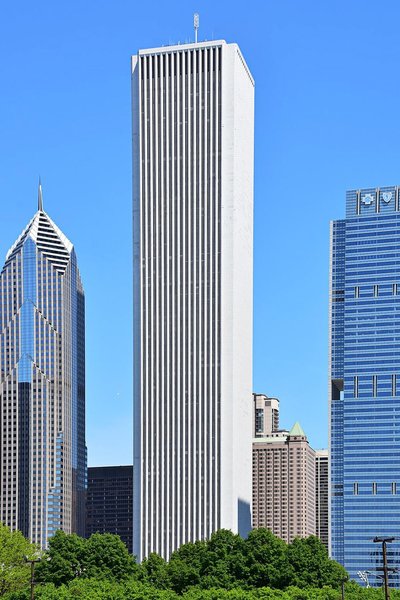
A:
(374, 488)
(355, 488)
(374, 385)
(356, 386)
(376, 291)
(259, 425)
(357, 291)
(394, 487)
(394, 289)
(394, 384)
(358, 203)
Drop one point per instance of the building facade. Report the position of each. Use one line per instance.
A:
(193, 130)
(109, 503)
(321, 496)
(284, 484)
(365, 379)
(42, 385)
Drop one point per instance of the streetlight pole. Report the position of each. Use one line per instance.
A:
(385, 567)
(32, 562)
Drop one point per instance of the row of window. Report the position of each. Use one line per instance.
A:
(375, 290)
(375, 488)
(374, 385)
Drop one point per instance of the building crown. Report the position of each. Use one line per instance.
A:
(48, 238)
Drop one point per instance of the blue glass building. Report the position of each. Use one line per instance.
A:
(365, 381)
(42, 384)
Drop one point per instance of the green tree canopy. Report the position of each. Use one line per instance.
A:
(226, 567)
(107, 557)
(267, 560)
(103, 556)
(66, 559)
(311, 565)
(153, 571)
(14, 571)
(217, 562)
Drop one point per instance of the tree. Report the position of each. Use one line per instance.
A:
(107, 557)
(311, 565)
(153, 571)
(182, 575)
(103, 556)
(217, 562)
(186, 566)
(14, 571)
(67, 559)
(266, 560)
(225, 564)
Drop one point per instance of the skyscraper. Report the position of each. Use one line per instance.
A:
(364, 374)
(284, 483)
(193, 115)
(42, 385)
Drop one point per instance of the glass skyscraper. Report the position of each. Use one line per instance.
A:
(365, 380)
(42, 385)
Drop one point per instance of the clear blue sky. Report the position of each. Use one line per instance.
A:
(327, 120)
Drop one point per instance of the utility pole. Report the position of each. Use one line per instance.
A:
(343, 582)
(385, 567)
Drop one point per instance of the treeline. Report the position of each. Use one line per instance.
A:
(224, 567)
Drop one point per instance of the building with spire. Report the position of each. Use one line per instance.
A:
(42, 384)
(284, 483)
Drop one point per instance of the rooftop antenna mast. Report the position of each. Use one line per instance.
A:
(196, 24)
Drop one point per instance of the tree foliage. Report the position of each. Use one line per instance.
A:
(65, 559)
(92, 589)
(153, 571)
(14, 571)
(102, 556)
(267, 560)
(311, 565)
(224, 567)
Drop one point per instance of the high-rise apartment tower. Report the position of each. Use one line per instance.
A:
(365, 380)
(265, 415)
(284, 483)
(42, 384)
(193, 120)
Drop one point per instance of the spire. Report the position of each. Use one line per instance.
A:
(40, 196)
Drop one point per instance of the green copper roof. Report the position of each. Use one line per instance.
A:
(297, 430)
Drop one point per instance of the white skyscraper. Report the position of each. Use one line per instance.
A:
(193, 130)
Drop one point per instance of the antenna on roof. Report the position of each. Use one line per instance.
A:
(196, 24)
(40, 196)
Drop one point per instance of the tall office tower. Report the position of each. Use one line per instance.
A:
(109, 502)
(284, 484)
(364, 374)
(193, 116)
(321, 496)
(42, 385)
(265, 415)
